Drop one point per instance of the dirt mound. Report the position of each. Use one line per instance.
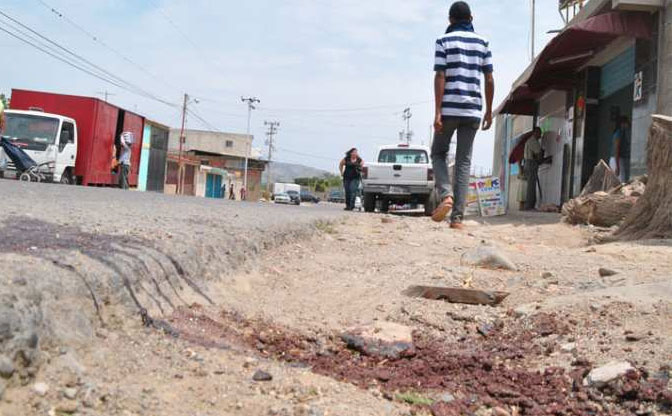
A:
(486, 370)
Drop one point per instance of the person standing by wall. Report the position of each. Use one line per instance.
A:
(232, 192)
(534, 154)
(619, 160)
(125, 159)
(351, 171)
(462, 58)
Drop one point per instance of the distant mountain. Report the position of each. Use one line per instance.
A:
(287, 172)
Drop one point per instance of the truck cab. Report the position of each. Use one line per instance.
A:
(49, 139)
(402, 174)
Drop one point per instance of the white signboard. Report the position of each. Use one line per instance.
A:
(485, 197)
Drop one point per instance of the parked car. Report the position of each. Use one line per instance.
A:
(306, 196)
(282, 198)
(337, 197)
(295, 197)
(402, 175)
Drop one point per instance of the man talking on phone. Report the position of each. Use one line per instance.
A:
(462, 61)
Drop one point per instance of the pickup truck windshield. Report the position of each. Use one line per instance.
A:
(403, 156)
(30, 132)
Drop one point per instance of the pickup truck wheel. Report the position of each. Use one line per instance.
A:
(431, 203)
(369, 202)
(384, 205)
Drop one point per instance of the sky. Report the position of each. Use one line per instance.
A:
(336, 74)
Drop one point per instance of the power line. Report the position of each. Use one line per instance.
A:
(304, 154)
(102, 43)
(40, 48)
(184, 35)
(41, 42)
(340, 110)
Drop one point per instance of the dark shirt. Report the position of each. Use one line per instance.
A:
(622, 135)
(353, 170)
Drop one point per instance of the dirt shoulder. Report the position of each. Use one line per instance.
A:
(561, 313)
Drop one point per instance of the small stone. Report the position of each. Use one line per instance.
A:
(19, 281)
(488, 257)
(446, 398)
(570, 347)
(498, 411)
(604, 272)
(249, 362)
(70, 393)
(314, 411)
(386, 220)
(525, 310)
(6, 367)
(634, 337)
(485, 329)
(41, 389)
(607, 373)
(67, 407)
(547, 275)
(261, 375)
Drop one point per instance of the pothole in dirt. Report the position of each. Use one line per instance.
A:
(447, 378)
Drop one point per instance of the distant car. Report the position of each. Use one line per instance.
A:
(282, 198)
(295, 197)
(308, 197)
(337, 197)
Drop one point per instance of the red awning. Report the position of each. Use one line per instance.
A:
(557, 64)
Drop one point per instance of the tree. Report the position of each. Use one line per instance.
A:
(651, 217)
(4, 100)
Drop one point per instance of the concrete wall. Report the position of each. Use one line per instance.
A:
(212, 142)
(665, 62)
(552, 119)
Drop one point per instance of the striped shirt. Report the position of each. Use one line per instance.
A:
(465, 57)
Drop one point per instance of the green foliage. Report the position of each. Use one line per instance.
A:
(320, 184)
(4, 100)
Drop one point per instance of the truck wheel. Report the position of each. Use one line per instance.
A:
(431, 203)
(369, 202)
(66, 178)
(384, 205)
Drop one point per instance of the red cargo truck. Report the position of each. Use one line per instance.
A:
(98, 128)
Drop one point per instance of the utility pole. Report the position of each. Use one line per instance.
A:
(251, 101)
(180, 175)
(105, 94)
(534, 30)
(407, 118)
(272, 131)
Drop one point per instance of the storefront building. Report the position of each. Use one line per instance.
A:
(601, 69)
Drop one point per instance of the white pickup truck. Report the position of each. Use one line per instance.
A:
(403, 175)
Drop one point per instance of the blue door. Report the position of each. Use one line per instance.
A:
(209, 186)
(217, 191)
(213, 186)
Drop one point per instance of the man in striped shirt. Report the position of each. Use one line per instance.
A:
(462, 59)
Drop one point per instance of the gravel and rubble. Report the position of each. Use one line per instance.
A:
(222, 291)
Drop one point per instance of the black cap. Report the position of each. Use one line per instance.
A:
(460, 11)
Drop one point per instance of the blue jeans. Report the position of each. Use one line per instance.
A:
(351, 189)
(466, 132)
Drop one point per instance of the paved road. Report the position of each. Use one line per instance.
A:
(67, 253)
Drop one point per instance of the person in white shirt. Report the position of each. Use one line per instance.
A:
(125, 159)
